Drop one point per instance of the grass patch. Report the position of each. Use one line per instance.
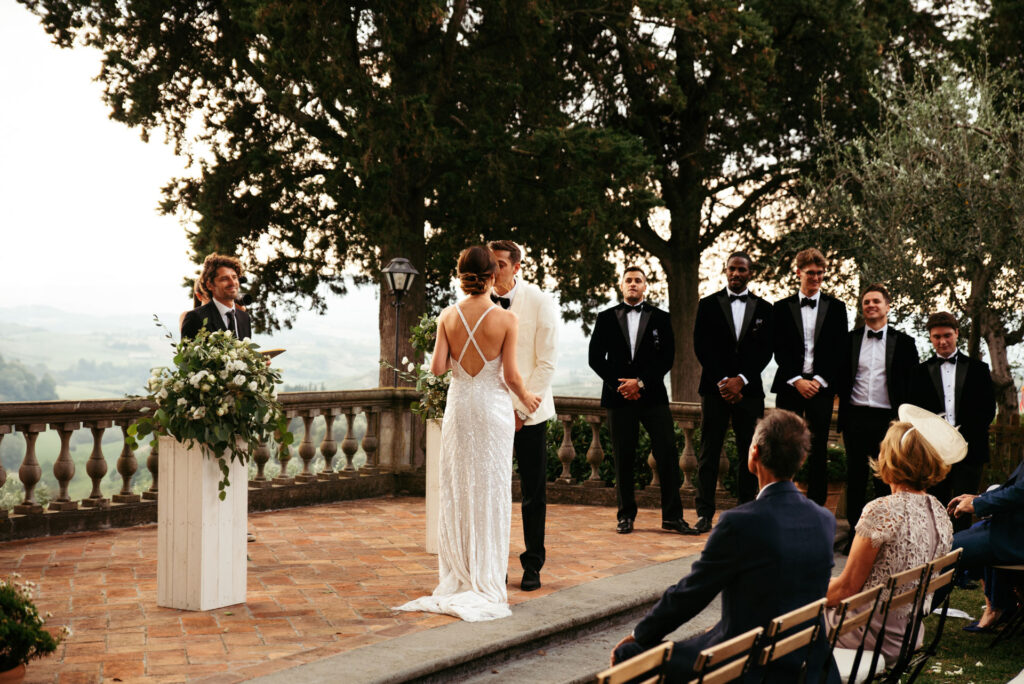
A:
(965, 657)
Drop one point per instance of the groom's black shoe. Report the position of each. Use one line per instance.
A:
(703, 525)
(680, 526)
(531, 580)
(625, 526)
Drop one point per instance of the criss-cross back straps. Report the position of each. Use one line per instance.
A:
(471, 332)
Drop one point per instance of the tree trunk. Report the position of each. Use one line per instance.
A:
(683, 293)
(1002, 377)
(412, 246)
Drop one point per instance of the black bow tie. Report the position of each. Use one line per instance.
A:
(951, 359)
(504, 301)
(737, 298)
(875, 335)
(627, 307)
(807, 301)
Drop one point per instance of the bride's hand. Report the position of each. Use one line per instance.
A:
(531, 401)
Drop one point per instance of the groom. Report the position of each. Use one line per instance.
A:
(535, 355)
(220, 277)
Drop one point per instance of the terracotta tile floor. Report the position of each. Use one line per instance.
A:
(321, 581)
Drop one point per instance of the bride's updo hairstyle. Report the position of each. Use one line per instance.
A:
(476, 266)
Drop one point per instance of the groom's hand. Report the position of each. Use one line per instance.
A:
(519, 422)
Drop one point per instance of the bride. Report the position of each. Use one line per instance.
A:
(477, 339)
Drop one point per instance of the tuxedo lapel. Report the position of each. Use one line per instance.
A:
(962, 362)
(518, 302)
(645, 316)
(858, 340)
(794, 307)
(214, 321)
(748, 315)
(819, 320)
(723, 301)
(934, 370)
(890, 354)
(620, 314)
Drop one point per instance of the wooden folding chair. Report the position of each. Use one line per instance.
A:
(941, 572)
(1015, 573)
(855, 612)
(727, 661)
(912, 596)
(785, 635)
(650, 662)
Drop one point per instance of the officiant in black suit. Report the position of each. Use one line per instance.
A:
(876, 380)
(732, 337)
(632, 349)
(959, 388)
(220, 278)
(810, 344)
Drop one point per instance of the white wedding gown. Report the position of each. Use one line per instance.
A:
(475, 495)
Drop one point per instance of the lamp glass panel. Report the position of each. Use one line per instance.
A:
(400, 279)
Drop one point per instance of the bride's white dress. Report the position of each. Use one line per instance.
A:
(475, 495)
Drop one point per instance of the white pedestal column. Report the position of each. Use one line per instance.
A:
(201, 540)
(433, 481)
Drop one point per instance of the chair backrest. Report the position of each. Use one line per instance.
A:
(855, 612)
(914, 582)
(727, 661)
(783, 640)
(647, 663)
(940, 575)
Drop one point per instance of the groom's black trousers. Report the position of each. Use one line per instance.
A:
(532, 456)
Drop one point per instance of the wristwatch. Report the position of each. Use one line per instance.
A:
(522, 416)
(639, 383)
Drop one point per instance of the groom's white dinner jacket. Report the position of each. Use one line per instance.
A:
(537, 348)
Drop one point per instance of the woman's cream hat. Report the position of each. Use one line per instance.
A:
(944, 438)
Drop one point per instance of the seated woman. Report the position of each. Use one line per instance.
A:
(896, 532)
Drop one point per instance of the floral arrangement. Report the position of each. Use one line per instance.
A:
(22, 634)
(220, 393)
(433, 389)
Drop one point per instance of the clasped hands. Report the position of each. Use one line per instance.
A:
(629, 388)
(807, 388)
(961, 505)
(731, 389)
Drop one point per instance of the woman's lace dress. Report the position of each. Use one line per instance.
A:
(908, 530)
(475, 494)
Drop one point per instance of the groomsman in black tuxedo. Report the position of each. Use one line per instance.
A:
(732, 338)
(632, 349)
(876, 380)
(958, 387)
(810, 340)
(220, 277)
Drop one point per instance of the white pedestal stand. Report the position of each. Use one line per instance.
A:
(433, 481)
(201, 540)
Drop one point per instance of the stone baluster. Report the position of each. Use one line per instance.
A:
(349, 445)
(566, 451)
(30, 472)
(284, 455)
(126, 467)
(307, 450)
(329, 447)
(723, 470)
(260, 455)
(688, 460)
(655, 484)
(370, 441)
(153, 466)
(595, 453)
(96, 466)
(64, 467)
(4, 429)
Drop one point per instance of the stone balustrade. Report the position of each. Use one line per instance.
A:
(391, 442)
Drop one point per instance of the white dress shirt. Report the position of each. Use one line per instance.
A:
(633, 325)
(948, 373)
(869, 386)
(224, 316)
(739, 309)
(809, 316)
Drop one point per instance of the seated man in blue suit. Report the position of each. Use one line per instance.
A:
(766, 557)
(997, 540)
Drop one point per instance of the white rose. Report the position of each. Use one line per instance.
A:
(181, 401)
(223, 374)
(405, 359)
(204, 387)
(221, 410)
(238, 380)
(162, 394)
(425, 367)
(178, 386)
(198, 412)
(252, 386)
(410, 366)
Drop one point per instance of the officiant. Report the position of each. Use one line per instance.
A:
(220, 278)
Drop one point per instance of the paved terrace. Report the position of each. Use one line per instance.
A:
(321, 582)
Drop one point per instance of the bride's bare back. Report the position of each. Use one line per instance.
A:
(490, 335)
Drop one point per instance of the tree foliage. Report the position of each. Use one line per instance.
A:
(18, 383)
(932, 202)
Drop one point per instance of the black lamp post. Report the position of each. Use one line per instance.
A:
(399, 274)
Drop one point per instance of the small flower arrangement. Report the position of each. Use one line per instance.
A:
(433, 389)
(220, 393)
(22, 632)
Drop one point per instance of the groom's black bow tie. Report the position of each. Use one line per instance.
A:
(504, 301)
(627, 307)
(737, 298)
(875, 335)
(951, 359)
(807, 301)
